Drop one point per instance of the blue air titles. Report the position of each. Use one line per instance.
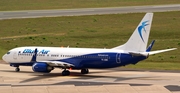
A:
(38, 51)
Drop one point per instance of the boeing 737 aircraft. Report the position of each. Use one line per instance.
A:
(45, 59)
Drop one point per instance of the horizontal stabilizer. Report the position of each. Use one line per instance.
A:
(160, 51)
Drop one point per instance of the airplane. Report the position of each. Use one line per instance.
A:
(45, 59)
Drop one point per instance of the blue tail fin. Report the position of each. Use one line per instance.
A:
(150, 46)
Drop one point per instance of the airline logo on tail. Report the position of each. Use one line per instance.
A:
(142, 27)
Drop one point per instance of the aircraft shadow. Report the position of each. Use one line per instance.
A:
(77, 79)
(40, 76)
(83, 82)
(77, 76)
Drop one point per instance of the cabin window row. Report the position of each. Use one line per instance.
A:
(78, 56)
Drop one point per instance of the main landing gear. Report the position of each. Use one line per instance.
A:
(67, 72)
(84, 71)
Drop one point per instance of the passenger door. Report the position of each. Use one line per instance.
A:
(118, 58)
(15, 55)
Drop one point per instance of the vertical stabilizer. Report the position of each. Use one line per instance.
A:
(139, 39)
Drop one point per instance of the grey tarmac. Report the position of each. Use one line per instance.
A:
(97, 81)
(86, 11)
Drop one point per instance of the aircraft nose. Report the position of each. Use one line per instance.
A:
(4, 57)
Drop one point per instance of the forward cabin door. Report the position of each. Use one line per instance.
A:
(15, 56)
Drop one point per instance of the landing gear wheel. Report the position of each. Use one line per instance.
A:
(17, 69)
(84, 71)
(66, 73)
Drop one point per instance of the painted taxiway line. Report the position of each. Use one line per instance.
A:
(86, 11)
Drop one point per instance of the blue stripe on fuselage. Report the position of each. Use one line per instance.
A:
(129, 59)
(97, 60)
(100, 61)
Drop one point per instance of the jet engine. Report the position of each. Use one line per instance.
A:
(42, 67)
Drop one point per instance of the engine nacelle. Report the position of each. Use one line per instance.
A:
(42, 67)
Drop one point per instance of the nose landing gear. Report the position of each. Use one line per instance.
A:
(17, 69)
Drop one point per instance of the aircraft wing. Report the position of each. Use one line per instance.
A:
(58, 64)
(160, 51)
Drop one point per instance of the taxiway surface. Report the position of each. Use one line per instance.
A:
(86, 11)
(97, 81)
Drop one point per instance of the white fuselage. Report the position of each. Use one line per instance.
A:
(24, 54)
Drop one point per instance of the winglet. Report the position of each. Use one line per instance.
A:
(150, 46)
(34, 55)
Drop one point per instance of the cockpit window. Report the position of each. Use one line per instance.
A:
(8, 53)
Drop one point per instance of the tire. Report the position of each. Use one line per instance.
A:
(17, 69)
(66, 73)
(84, 71)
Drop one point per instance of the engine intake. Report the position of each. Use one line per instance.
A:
(42, 67)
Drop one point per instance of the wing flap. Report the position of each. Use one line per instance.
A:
(58, 64)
